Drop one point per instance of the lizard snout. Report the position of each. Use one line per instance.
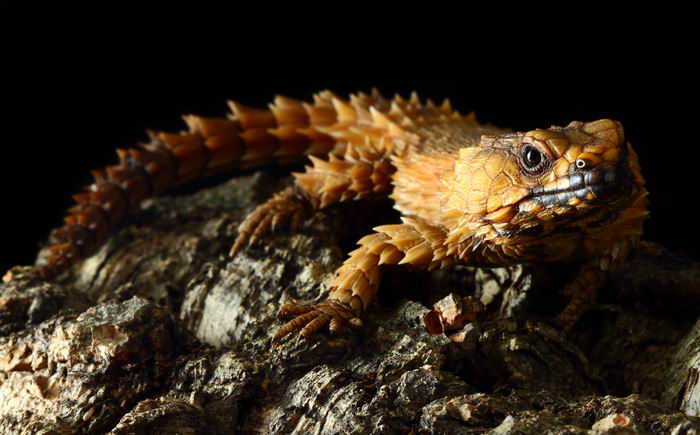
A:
(591, 178)
(609, 179)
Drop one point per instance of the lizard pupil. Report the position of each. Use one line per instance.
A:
(532, 157)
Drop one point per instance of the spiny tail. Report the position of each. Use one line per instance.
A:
(248, 137)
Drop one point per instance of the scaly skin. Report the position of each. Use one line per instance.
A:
(468, 195)
(245, 138)
(468, 192)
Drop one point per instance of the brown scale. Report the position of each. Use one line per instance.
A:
(468, 192)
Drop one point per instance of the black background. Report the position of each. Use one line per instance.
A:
(77, 83)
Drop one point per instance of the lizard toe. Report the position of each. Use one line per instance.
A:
(300, 323)
(309, 319)
(287, 310)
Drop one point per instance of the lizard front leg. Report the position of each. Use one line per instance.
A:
(361, 173)
(583, 290)
(356, 282)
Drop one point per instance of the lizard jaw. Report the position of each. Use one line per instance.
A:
(607, 182)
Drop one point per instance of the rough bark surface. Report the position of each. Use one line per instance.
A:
(160, 332)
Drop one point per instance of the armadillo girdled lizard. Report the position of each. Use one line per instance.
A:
(468, 192)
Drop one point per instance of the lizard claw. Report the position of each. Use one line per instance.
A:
(311, 318)
(285, 207)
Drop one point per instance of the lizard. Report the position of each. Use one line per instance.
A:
(467, 192)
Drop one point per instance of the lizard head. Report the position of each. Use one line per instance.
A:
(520, 186)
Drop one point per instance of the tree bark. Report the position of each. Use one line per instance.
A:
(160, 332)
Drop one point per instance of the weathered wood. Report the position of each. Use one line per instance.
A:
(161, 332)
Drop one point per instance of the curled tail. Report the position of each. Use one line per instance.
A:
(247, 138)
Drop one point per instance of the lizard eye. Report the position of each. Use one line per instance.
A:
(532, 159)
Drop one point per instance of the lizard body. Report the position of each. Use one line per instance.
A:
(467, 192)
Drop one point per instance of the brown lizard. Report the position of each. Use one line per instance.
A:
(468, 192)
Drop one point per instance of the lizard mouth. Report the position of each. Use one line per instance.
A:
(607, 182)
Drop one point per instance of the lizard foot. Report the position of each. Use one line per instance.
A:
(285, 207)
(311, 318)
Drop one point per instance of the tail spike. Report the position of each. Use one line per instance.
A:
(287, 110)
(252, 118)
(399, 99)
(446, 106)
(345, 112)
(379, 119)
